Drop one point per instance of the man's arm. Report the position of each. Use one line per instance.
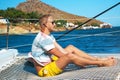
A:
(55, 51)
(59, 47)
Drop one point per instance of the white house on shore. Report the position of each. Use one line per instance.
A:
(105, 25)
(3, 21)
(90, 27)
(70, 25)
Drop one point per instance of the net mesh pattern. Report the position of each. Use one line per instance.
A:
(24, 70)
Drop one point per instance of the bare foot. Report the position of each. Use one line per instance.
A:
(110, 57)
(107, 58)
(109, 62)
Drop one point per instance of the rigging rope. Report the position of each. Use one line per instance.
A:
(89, 20)
(88, 35)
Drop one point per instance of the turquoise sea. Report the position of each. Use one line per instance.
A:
(91, 41)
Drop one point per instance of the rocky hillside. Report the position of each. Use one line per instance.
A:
(42, 8)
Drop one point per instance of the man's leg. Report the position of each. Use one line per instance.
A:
(72, 49)
(63, 61)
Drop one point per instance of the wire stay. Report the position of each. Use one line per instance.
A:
(88, 20)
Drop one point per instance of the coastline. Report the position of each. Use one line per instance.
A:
(18, 30)
(25, 29)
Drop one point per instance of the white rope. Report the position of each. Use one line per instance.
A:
(18, 46)
(71, 35)
(74, 38)
(89, 35)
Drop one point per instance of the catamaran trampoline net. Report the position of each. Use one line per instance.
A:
(24, 70)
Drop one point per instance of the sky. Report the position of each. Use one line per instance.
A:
(87, 8)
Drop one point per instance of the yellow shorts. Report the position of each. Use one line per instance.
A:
(50, 69)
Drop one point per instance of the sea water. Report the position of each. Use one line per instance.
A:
(91, 41)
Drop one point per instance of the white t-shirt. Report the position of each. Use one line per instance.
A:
(41, 44)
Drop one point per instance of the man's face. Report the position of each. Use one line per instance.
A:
(50, 24)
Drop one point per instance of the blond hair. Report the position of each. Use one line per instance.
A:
(43, 20)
